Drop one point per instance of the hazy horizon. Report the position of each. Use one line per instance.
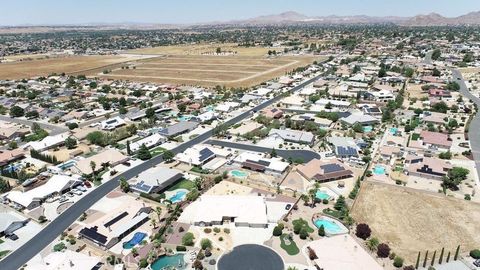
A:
(75, 12)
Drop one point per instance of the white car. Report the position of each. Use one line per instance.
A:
(77, 192)
(81, 188)
(63, 199)
(52, 199)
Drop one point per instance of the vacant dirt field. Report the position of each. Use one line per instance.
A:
(411, 221)
(231, 71)
(200, 49)
(67, 64)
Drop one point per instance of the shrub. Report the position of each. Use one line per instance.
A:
(187, 239)
(277, 231)
(398, 262)
(321, 231)
(475, 253)
(207, 230)
(143, 263)
(226, 230)
(363, 231)
(325, 201)
(220, 239)
(216, 230)
(303, 233)
(383, 250)
(181, 248)
(59, 247)
(206, 243)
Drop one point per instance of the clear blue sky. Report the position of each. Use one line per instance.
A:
(18, 12)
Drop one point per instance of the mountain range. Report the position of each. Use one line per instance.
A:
(292, 17)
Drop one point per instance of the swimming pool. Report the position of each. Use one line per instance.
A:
(379, 170)
(184, 118)
(67, 164)
(331, 227)
(367, 129)
(393, 130)
(321, 195)
(238, 174)
(170, 262)
(136, 239)
(178, 196)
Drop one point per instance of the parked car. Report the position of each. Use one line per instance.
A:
(63, 199)
(477, 263)
(88, 184)
(76, 192)
(81, 188)
(69, 194)
(13, 237)
(52, 199)
(288, 206)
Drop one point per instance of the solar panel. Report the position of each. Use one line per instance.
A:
(205, 153)
(346, 151)
(92, 234)
(329, 168)
(115, 219)
(142, 186)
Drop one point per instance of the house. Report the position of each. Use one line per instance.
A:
(109, 157)
(196, 155)
(310, 117)
(324, 171)
(426, 167)
(345, 147)
(9, 131)
(178, 128)
(371, 109)
(113, 123)
(380, 96)
(361, 119)
(261, 92)
(291, 135)
(245, 128)
(258, 162)
(10, 222)
(435, 118)
(11, 155)
(227, 106)
(205, 117)
(388, 152)
(333, 103)
(155, 180)
(435, 140)
(65, 260)
(242, 211)
(272, 113)
(47, 142)
(439, 93)
(57, 184)
(149, 141)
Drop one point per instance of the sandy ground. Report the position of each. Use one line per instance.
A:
(411, 221)
(64, 153)
(227, 187)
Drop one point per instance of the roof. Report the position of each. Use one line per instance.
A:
(178, 128)
(293, 135)
(68, 260)
(359, 118)
(273, 164)
(317, 169)
(155, 177)
(10, 155)
(435, 138)
(245, 209)
(112, 156)
(149, 141)
(48, 142)
(196, 155)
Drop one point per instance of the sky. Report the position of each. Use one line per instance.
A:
(43, 12)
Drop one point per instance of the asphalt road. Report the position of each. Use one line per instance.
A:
(305, 155)
(54, 129)
(474, 128)
(22, 255)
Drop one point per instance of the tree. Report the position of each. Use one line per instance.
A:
(383, 250)
(12, 145)
(4, 185)
(143, 153)
(129, 150)
(433, 258)
(98, 138)
(475, 253)
(454, 177)
(418, 260)
(436, 54)
(456, 253)
(93, 166)
(303, 233)
(150, 113)
(168, 155)
(340, 203)
(187, 239)
(440, 260)
(357, 128)
(70, 143)
(278, 230)
(32, 114)
(158, 211)
(197, 265)
(273, 153)
(321, 231)
(16, 111)
(72, 126)
(363, 231)
(218, 50)
(440, 107)
(206, 243)
(124, 186)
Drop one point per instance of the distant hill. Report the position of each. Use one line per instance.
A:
(434, 19)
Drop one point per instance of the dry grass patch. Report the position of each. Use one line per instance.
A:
(411, 221)
(199, 49)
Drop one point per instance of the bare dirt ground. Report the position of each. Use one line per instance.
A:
(207, 70)
(411, 221)
(67, 64)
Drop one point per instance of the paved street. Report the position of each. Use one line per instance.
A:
(54, 129)
(473, 131)
(22, 255)
(305, 155)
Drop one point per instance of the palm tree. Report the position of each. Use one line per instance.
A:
(93, 165)
(305, 199)
(312, 192)
(199, 183)
(154, 222)
(158, 211)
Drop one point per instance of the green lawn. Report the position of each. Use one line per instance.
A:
(303, 223)
(291, 249)
(199, 170)
(1, 241)
(415, 136)
(3, 253)
(157, 151)
(183, 184)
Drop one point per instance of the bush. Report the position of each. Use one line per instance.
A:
(59, 247)
(475, 253)
(325, 201)
(321, 231)
(216, 230)
(303, 233)
(181, 248)
(143, 263)
(398, 262)
(383, 250)
(363, 231)
(226, 230)
(206, 243)
(277, 231)
(187, 239)
(207, 230)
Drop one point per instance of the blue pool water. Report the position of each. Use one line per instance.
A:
(322, 195)
(379, 170)
(67, 164)
(329, 226)
(184, 118)
(238, 174)
(170, 262)
(178, 197)
(367, 129)
(136, 239)
(393, 130)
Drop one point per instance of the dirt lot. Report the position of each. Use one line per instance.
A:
(204, 70)
(200, 49)
(411, 221)
(67, 64)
